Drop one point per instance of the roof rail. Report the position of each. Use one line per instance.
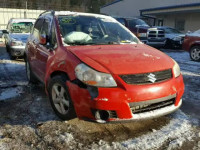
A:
(48, 11)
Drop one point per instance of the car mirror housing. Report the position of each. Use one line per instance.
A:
(43, 39)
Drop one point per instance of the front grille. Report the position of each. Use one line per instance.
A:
(156, 34)
(152, 106)
(147, 78)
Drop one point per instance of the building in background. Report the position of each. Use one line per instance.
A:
(180, 14)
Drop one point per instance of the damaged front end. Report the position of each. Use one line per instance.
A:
(135, 102)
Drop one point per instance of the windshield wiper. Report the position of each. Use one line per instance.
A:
(93, 43)
(81, 43)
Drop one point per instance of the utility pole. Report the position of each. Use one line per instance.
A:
(25, 12)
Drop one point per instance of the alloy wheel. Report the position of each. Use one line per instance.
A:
(195, 53)
(60, 99)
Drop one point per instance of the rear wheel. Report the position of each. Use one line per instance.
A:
(60, 98)
(195, 53)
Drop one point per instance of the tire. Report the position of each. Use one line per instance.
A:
(195, 53)
(7, 48)
(12, 57)
(60, 98)
(168, 44)
(30, 76)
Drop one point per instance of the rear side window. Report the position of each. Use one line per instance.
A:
(37, 28)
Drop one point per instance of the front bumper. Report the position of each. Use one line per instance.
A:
(17, 51)
(176, 44)
(119, 100)
(150, 114)
(155, 42)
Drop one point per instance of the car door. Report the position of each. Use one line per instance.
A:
(43, 50)
(32, 46)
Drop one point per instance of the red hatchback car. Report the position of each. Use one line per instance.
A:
(94, 67)
(192, 45)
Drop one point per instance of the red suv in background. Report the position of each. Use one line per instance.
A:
(94, 67)
(192, 45)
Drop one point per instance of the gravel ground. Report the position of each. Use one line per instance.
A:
(28, 122)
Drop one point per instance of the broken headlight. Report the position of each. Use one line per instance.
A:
(92, 77)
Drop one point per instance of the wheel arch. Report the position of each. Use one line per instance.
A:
(193, 45)
(53, 74)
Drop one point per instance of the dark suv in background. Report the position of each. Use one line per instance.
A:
(151, 36)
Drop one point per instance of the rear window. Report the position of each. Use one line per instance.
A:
(21, 27)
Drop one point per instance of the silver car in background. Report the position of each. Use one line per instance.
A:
(16, 35)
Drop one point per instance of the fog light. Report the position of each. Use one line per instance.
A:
(102, 115)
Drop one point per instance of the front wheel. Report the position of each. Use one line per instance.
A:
(168, 44)
(195, 53)
(60, 98)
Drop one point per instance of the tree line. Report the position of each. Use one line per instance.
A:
(92, 6)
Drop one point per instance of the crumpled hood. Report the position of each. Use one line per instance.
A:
(123, 59)
(20, 37)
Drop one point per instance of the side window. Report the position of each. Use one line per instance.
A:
(45, 28)
(37, 28)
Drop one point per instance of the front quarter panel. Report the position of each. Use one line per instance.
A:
(61, 61)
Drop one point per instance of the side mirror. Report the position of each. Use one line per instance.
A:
(5, 31)
(43, 39)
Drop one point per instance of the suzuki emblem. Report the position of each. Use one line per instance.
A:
(152, 78)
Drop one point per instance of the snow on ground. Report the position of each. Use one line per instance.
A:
(12, 73)
(175, 133)
(10, 93)
(183, 59)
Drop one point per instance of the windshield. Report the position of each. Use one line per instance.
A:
(21, 27)
(136, 22)
(171, 30)
(90, 30)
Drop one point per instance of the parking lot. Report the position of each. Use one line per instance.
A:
(28, 122)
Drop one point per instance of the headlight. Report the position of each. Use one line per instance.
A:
(177, 38)
(176, 69)
(92, 77)
(17, 43)
(142, 35)
(14, 42)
